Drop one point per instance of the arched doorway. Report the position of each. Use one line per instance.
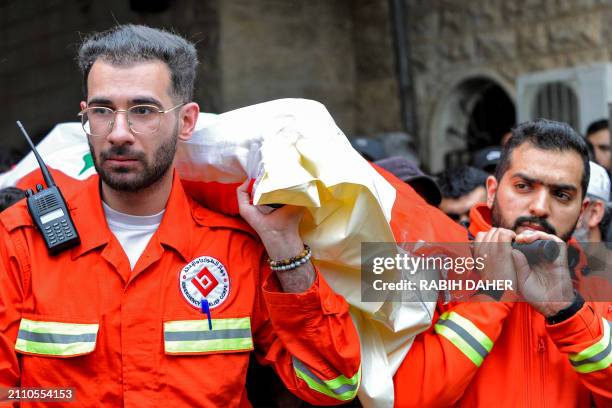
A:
(474, 114)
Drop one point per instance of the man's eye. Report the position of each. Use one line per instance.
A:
(521, 186)
(100, 111)
(562, 195)
(142, 110)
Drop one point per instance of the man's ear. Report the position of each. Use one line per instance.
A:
(188, 118)
(596, 213)
(83, 105)
(491, 190)
(583, 209)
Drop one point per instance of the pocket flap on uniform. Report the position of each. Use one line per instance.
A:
(56, 339)
(195, 337)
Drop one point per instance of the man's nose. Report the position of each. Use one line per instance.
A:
(120, 133)
(540, 203)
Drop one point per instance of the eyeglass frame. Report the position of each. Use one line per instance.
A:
(115, 111)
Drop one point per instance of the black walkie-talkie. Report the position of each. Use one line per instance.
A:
(49, 211)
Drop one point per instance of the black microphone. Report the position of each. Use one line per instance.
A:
(538, 251)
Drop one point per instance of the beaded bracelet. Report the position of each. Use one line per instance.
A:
(291, 263)
(288, 261)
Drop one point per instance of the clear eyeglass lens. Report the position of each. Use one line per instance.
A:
(99, 121)
(96, 121)
(143, 118)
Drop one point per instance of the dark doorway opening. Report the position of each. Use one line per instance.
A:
(493, 116)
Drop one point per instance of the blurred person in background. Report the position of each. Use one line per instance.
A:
(370, 148)
(592, 235)
(410, 173)
(593, 223)
(462, 188)
(486, 159)
(591, 150)
(598, 135)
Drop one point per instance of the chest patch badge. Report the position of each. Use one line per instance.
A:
(204, 278)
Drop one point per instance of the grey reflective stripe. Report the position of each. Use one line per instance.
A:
(56, 338)
(597, 357)
(469, 339)
(207, 335)
(338, 391)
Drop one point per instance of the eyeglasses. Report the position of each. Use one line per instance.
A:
(142, 119)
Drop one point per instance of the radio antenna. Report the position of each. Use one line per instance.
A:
(43, 167)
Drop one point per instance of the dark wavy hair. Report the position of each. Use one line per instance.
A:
(459, 181)
(128, 44)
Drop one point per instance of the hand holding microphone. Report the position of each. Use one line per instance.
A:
(538, 251)
(542, 273)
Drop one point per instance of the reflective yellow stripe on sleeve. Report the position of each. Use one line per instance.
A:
(340, 388)
(595, 357)
(464, 334)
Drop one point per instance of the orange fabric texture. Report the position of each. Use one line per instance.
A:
(413, 219)
(527, 366)
(93, 284)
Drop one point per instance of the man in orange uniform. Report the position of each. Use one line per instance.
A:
(551, 350)
(162, 300)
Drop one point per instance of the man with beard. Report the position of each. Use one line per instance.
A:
(550, 349)
(162, 300)
(594, 221)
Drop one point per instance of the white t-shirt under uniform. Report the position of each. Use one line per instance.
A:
(132, 231)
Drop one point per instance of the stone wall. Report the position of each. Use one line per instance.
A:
(284, 48)
(337, 52)
(500, 40)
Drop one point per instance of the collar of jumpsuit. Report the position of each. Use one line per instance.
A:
(94, 232)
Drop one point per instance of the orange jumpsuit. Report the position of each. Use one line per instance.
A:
(506, 355)
(138, 337)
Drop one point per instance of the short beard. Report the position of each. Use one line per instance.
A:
(497, 220)
(151, 173)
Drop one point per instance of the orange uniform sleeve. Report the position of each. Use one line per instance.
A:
(310, 340)
(11, 300)
(586, 340)
(443, 360)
